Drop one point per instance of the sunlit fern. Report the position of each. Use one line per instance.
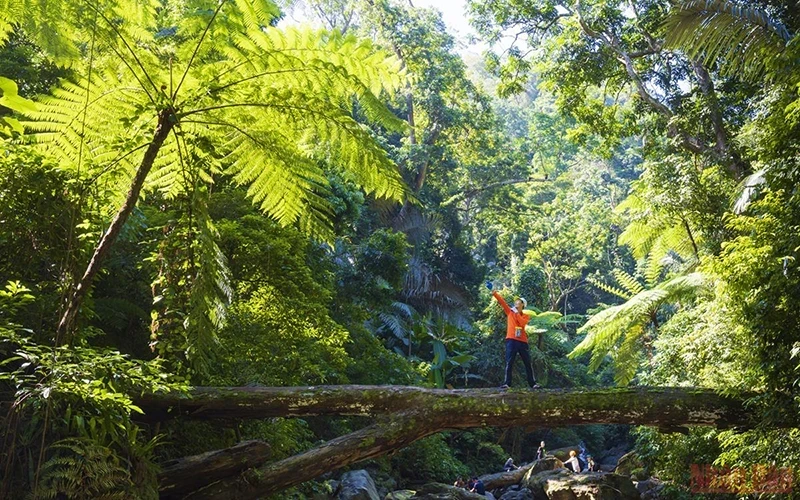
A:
(262, 105)
(63, 28)
(652, 236)
(618, 330)
(278, 104)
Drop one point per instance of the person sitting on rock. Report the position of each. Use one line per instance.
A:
(573, 463)
(459, 483)
(477, 486)
(509, 466)
(592, 466)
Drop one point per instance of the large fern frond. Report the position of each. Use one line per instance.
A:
(62, 28)
(631, 284)
(741, 37)
(433, 293)
(626, 356)
(606, 330)
(79, 124)
(80, 467)
(211, 291)
(651, 236)
(284, 103)
(619, 292)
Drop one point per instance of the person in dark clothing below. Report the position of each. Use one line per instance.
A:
(477, 486)
(541, 452)
(516, 338)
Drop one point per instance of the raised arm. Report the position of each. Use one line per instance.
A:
(502, 302)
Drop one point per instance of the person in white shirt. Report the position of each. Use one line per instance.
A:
(573, 463)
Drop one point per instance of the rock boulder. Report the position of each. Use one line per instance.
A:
(561, 484)
(438, 491)
(357, 485)
(518, 494)
(400, 495)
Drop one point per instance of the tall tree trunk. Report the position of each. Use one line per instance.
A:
(411, 413)
(67, 322)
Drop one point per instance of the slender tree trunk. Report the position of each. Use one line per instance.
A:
(67, 323)
(727, 155)
(691, 239)
(411, 413)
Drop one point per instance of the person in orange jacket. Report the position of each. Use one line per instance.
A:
(516, 338)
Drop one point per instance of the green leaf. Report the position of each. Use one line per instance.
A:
(11, 99)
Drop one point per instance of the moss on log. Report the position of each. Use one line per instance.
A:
(662, 407)
(184, 475)
(407, 414)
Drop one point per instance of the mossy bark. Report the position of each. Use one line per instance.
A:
(407, 414)
(661, 407)
(372, 441)
(182, 476)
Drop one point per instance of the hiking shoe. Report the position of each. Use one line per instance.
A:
(504, 386)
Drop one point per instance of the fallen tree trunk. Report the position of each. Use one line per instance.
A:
(372, 441)
(184, 475)
(411, 413)
(662, 407)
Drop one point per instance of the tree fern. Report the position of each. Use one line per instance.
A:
(270, 104)
(652, 234)
(613, 290)
(742, 38)
(618, 330)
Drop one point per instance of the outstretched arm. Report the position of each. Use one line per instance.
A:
(502, 302)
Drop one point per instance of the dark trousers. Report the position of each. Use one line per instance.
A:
(514, 347)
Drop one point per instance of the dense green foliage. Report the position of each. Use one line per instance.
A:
(322, 207)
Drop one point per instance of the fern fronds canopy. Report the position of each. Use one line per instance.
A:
(277, 105)
(217, 92)
(618, 329)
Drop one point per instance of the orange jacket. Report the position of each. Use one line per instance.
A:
(515, 320)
